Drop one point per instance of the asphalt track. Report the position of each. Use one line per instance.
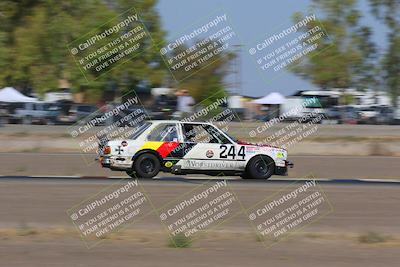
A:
(72, 164)
(358, 204)
(36, 190)
(199, 179)
(40, 203)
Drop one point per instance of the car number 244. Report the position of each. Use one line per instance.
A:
(231, 152)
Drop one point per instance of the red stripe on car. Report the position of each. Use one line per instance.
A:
(165, 149)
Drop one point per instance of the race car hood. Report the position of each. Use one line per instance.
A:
(239, 142)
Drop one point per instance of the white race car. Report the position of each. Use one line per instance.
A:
(190, 147)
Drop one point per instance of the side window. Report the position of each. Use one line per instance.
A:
(217, 135)
(164, 133)
(198, 133)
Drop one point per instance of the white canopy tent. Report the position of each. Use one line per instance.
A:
(11, 95)
(273, 98)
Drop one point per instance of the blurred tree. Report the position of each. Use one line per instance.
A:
(348, 99)
(365, 68)
(33, 44)
(389, 12)
(205, 82)
(346, 57)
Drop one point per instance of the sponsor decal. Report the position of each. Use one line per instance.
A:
(124, 143)
(209, 153)
(212, 164)
(119, 150)
(169, 149)
(168, 164)
(251, 149)
(280, 155)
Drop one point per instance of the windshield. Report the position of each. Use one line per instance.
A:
(230, 136)
(322, 101)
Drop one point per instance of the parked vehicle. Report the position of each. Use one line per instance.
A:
(377, 115)
(81, 114)
(386, 115)
(334, 115)
(290, 105)
(66, 116)
(82, 111)
(367, 115)
(342, 114)
(78, 113)
(36, 112)
(318, 102)
(350, 115)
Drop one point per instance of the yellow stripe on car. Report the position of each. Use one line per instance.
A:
(151, 145)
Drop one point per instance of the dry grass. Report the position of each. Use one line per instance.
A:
(180, 241)
(373, 238)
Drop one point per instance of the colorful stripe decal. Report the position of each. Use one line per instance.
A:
(165, 149)
(169, 149)
(151, 145)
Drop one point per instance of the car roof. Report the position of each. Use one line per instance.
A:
(178, 121)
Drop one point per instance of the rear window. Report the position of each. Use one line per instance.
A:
(164, 133)
(138, 130)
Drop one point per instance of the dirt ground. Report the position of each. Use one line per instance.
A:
(232, 251)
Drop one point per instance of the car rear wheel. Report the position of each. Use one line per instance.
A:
(146, 166)
(259, 167)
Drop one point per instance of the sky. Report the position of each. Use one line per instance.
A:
(252, 20)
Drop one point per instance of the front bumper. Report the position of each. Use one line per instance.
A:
(283, 170)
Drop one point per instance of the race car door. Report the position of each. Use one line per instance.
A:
(205, 148)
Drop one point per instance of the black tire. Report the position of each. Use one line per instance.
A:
(259, 167)
(146, 165)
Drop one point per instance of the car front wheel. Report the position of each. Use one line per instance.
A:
(259, 167)
(146, 165)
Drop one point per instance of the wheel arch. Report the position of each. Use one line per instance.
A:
(143, 151)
